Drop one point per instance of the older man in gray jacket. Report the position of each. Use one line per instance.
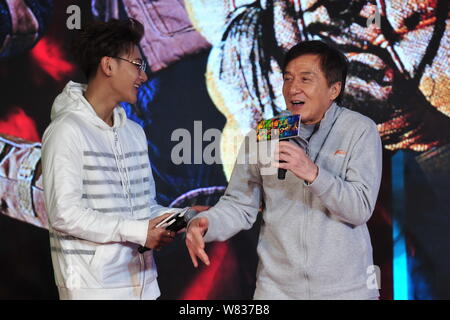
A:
(314, 242)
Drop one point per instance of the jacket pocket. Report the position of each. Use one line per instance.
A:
(97, 262)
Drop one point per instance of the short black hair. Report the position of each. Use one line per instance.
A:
(333, 63)
(99, 39)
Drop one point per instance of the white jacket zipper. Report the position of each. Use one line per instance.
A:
(126, 187)
(304, 233)
(141, 257)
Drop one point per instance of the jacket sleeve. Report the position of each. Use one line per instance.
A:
(238, 208)
(62, 179)
(352, 198)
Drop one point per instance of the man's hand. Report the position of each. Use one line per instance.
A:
(199, 209)
(296, 161)
(158, 237)
(194, 240)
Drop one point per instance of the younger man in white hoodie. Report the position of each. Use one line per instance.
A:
(98, 185)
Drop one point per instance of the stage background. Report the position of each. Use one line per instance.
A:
(217, 62)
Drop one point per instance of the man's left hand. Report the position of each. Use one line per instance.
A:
(296, 161)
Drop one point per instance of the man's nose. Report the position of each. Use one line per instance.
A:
(296, 87)
(143, 76)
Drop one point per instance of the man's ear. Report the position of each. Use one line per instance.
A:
(335, 90)
(106, 66)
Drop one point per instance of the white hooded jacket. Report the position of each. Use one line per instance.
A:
(99, 194)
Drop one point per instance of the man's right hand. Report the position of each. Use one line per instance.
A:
(194, 240)
(158, 237)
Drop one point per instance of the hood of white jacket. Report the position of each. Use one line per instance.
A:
(72, 100)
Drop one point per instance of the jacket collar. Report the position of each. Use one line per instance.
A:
(71, 99)
(325, 125)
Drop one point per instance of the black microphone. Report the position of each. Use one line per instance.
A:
(174, 222)
(281, 171)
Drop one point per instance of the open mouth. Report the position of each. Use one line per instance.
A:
(297, 103)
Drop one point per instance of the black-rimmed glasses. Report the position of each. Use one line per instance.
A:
(141, 65)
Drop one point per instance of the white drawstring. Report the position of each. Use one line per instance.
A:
(124, 177)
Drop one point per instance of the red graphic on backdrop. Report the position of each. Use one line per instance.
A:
(50, 58)
(19, 124)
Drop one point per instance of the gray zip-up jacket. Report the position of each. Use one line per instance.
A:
(314, 242)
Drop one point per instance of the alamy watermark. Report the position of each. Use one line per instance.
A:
(73, 277)
(374, 18)
(373, 277)
(74, 20)
(189, 149)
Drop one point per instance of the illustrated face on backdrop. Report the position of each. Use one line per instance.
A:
(397, 69)
(305, 89)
